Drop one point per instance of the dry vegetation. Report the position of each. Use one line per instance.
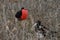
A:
(48, 11)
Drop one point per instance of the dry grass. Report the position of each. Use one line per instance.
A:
(48, 11)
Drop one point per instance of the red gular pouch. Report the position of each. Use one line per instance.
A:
(24, 14)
